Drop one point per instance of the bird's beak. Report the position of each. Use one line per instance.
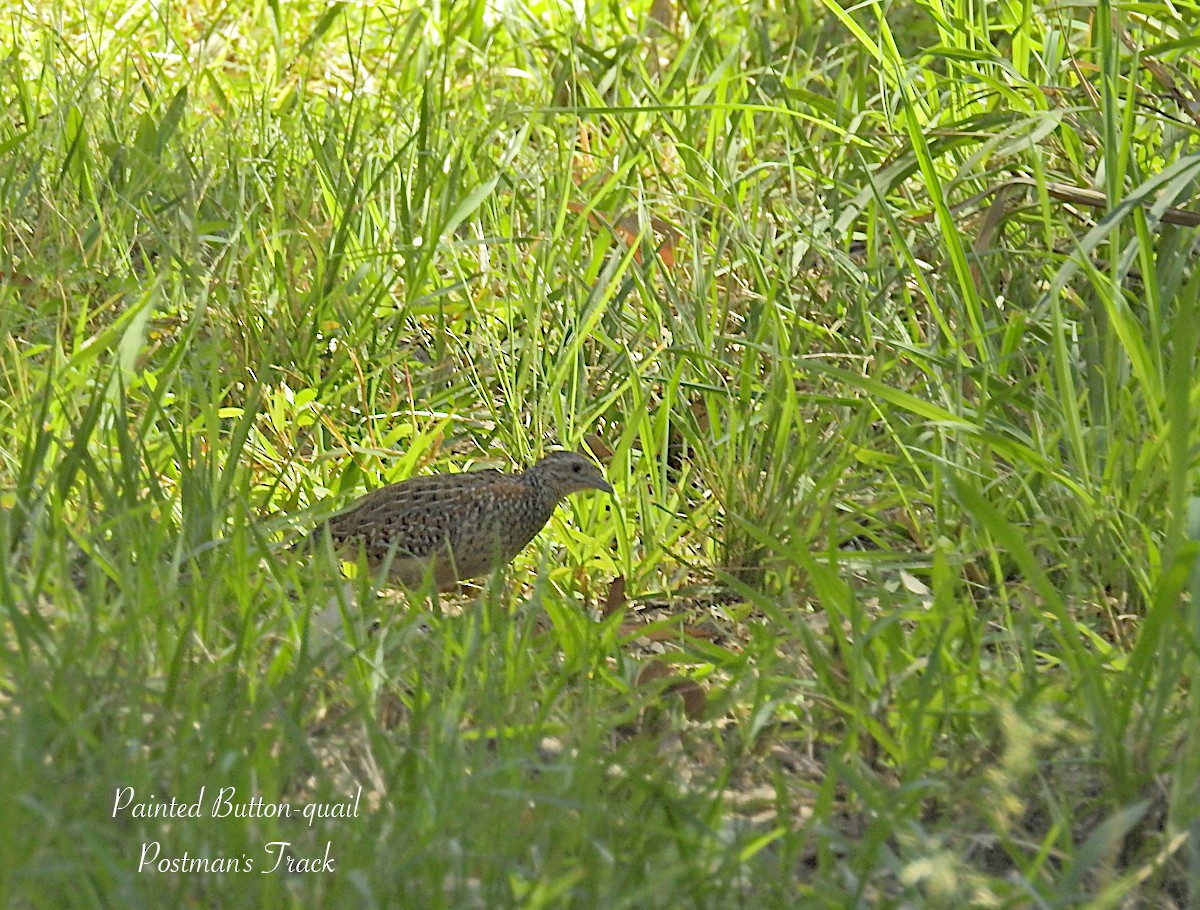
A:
(605, 486)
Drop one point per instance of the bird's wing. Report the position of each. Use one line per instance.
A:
(418, 517)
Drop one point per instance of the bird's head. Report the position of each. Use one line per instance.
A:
(562, 473)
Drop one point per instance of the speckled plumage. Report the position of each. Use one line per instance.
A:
(465, 525)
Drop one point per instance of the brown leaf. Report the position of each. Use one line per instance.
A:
(662, 12)
(628, 229)
(598, 447)
(615, 599)
(695, 702)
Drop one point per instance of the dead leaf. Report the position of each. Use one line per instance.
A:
(695, 702)
(615, 599)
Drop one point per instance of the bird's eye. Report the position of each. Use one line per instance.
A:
(576, 468)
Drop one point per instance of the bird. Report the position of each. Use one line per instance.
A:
(456, 527)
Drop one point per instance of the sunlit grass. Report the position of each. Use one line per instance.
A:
(883, 327)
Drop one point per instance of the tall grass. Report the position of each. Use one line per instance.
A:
(882, 319)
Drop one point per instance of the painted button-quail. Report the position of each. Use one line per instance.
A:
(458, 526)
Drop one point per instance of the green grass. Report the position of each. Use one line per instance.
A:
(903, 425)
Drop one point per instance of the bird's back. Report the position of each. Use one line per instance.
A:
(464, 524)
